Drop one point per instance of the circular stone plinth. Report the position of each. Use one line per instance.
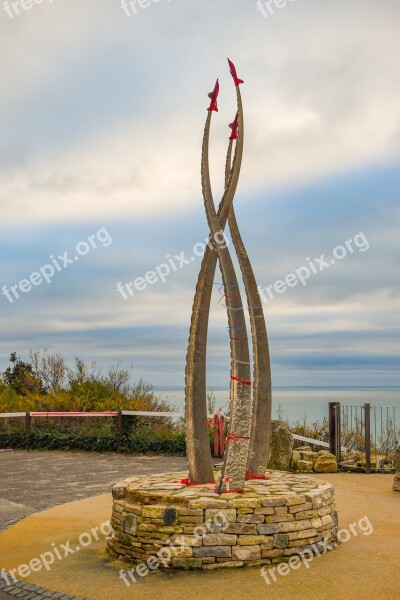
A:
(164, 523)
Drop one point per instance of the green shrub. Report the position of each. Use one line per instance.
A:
(99, 443)
(83, 388)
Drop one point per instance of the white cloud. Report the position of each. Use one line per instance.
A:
(102, 119)
(321, 94)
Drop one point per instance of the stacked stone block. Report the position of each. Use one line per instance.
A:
(194, 528)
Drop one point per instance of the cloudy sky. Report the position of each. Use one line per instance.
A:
(102, 115)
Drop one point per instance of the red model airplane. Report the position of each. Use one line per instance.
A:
(234, 127)
(214, 96)
(234, 73)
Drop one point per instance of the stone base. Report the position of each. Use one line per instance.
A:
(396, 484)
(163, 523)
(355, 462)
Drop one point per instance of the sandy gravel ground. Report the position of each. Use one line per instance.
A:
(365, 567)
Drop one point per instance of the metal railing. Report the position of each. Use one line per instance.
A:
(217, 422)
(371, 431)
(118, 416)
(368, 434)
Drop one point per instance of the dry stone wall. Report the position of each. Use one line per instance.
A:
(158, 518)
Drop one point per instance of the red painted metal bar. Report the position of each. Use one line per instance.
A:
(75, 414)
(216, 436)
(221, 435)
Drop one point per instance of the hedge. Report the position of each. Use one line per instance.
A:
(49, 441)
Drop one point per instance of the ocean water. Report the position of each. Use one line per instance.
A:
(298, 403)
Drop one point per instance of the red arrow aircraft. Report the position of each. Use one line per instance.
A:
(213, 97)
(234, 127)
(234, 73)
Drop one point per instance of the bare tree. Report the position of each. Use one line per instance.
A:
(50, 367)
(119, 379)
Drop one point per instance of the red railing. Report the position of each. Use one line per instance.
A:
(218, 421)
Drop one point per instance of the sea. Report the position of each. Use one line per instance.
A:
(298, 403)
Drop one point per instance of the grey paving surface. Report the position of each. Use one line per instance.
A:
(33, 480)
(20, 589)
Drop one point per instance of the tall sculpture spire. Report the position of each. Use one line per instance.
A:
(247, 443)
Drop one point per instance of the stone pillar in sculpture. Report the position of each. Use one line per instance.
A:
(247, 443)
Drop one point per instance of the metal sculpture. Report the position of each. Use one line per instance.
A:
(247, 442)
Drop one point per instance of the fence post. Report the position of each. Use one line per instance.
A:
(221, 435)
(332, 427)
(119, 429)
(28, 428)
(367, 415)
(338, 432)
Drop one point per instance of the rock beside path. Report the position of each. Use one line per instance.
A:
(326, 463)
(281, 449)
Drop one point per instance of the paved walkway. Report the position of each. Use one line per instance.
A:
(365, 567)
(33, 480)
